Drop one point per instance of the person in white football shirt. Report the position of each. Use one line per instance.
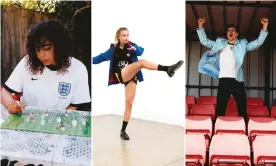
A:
(48, 77)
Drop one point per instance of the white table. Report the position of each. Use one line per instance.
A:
(44, 148)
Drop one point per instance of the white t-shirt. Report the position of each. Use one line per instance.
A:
(51, 90)
(227, 63)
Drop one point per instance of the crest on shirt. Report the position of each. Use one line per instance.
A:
(64, 88)
(122, 63)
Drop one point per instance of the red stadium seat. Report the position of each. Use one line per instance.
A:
(190, 100)
(229, 150)
(204, 110)
(200, 125)
(255, 101)
(232, 110)
(209, 100)
(230, 125)
(187, 110)
(257, 111)
(231, 102)
(195, 149)
(264, 149)
(261, 126)
(273, 111)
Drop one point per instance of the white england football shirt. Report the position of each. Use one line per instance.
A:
(51, 90)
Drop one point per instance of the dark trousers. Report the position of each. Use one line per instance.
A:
(227, 87)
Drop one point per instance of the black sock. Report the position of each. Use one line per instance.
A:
(124, 126)
(163, 68)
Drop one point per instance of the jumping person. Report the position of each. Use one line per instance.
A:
(224, 62)
(125, 68)
(48, 77)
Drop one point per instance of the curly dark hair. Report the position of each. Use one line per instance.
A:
(55, 33)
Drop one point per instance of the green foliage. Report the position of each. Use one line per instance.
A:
(47, 6)
(65, 11)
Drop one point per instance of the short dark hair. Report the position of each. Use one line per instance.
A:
(231, 26)
(58, 36)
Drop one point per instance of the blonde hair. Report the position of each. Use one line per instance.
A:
(118, 33)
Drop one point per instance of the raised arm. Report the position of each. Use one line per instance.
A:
(255, 44)
(103, 56)
(202, 35)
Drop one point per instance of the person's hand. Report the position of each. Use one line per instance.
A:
(15, 107)
(200, 22)
(132, 48)
(264, 21)
(71, 108)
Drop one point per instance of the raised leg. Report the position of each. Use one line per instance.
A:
(130, 70)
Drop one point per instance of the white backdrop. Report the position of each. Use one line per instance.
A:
(159, 27)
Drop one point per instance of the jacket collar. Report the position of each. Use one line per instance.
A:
(226, 42)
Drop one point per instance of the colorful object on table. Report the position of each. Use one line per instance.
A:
(27, 118)
(35, 120)
(62, 127)
(74, 123)
(83, 121)
(66, 114)
(58, 120)
(42, 122)
(46, 113)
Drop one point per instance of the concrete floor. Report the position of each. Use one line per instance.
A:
(151, 144)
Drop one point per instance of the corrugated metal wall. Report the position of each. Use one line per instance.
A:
(253, 67)
(273, 77)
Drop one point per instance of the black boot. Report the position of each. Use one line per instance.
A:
(173, 68)
(124, 135)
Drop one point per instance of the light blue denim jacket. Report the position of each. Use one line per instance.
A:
(209, 62)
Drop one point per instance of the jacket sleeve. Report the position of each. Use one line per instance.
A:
(139, 50)
(102, 57)
(203, 38)
(255, 44)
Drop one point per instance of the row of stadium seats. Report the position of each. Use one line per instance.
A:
(252, 110)
(230, 141)
(206, 106)
(212, 100)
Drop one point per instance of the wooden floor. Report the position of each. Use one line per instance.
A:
(151, 144)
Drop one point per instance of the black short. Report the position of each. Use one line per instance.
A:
(119, 78)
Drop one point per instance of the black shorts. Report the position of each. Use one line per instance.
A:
(119, 78)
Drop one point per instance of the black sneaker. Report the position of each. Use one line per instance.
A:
(173, 68)
(124, 135)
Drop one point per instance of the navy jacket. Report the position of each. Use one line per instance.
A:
(108, 56)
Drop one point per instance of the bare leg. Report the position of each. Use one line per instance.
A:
(130, 70)
(130, 94)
